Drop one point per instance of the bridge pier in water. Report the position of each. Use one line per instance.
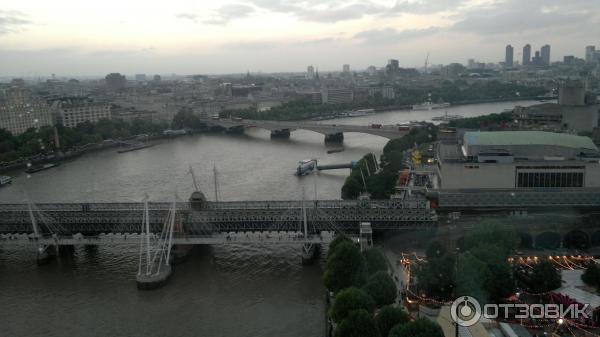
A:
(280, 134)
(310, 253)
(334, 137)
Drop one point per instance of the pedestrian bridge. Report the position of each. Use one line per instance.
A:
(282, 129)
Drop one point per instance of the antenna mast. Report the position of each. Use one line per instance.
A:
(194, 178)
(216, 183)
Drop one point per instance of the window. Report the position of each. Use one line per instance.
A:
(549, 179)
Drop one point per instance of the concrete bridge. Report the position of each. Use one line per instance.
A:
(332, 132)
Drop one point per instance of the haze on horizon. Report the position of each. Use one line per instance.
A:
(73, 37)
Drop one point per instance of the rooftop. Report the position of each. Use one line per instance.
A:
(500, 138)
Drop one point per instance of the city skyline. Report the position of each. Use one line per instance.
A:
(40, 38)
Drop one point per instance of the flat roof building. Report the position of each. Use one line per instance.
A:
(518, 160)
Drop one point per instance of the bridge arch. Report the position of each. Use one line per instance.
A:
(548, 240)
(526, 240)
(595, 239)
(576, 239)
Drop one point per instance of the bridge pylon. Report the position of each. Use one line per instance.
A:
(154, 269)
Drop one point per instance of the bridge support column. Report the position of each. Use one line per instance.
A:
(66, 251)
(366, 236)
(180, 253)
(334, 138)
(310, 252)
(280, 134)
(45, 254)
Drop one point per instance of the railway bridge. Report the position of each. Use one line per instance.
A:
(165, 230)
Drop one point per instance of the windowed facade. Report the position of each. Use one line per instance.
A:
(549, 179)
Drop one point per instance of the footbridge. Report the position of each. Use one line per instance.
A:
(332, 132)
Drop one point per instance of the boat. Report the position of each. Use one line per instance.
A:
(335, 150)
(446, 117)
(359, 113)
(429, 105)
(37, 168)
(306, 166)
(135, 148)
(5, 180)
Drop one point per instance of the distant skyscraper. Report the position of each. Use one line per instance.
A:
(590, 54)
(537, 59)
(346, 68)
(310, 72)
(508, 59)
(545, 51)
(140, 77)
(527, 55)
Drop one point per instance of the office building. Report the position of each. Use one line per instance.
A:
(21, 110)
(590, 54)
(310, 72)
(527, 55)
(545, 51)
(140, 77)
(508, 59)
(337, 95)
(346, 68)
(71, 112)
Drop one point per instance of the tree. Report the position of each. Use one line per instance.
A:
(359, 323)
(436, 276)
(543, 278)
(388, 317)
(492, 233)
(422, 327)
(348, 300)
(382, 288)
(339, 239)
(345, 268)
(376, 260)
(591, 275)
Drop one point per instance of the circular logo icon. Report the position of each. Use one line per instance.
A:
(465, 311)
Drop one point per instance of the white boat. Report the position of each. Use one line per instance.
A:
(447, 118)
(5, 180)
(362, 112)
(429, 105)
(306, 166)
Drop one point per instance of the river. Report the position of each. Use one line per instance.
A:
(221, 291)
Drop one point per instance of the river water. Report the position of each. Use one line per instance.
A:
(221, 290)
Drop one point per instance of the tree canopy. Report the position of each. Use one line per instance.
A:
(421, 327)
(345, 267)
(376, 260)
(436, 277)
(348, 300)
(388, 317)
(382, 288)
(359, 323)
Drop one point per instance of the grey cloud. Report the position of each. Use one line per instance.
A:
(391, 35)
(229, 12)
(187, 16)
(12, 22)
(425, 6)
(311, 10)
(516, 16)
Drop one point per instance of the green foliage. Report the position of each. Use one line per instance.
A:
(185, 118)
(482, 121)
(376, 260)
(382, 288)
(591, 275)
(436, 276)
(41, 141)
(388, 317)
(339, 239)
(345, 268)
(359, 323)
(543, 278)
(382, 184)
(348, 300)
(483, 270)
(421, 327)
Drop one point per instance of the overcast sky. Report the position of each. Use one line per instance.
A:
(81, 37)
